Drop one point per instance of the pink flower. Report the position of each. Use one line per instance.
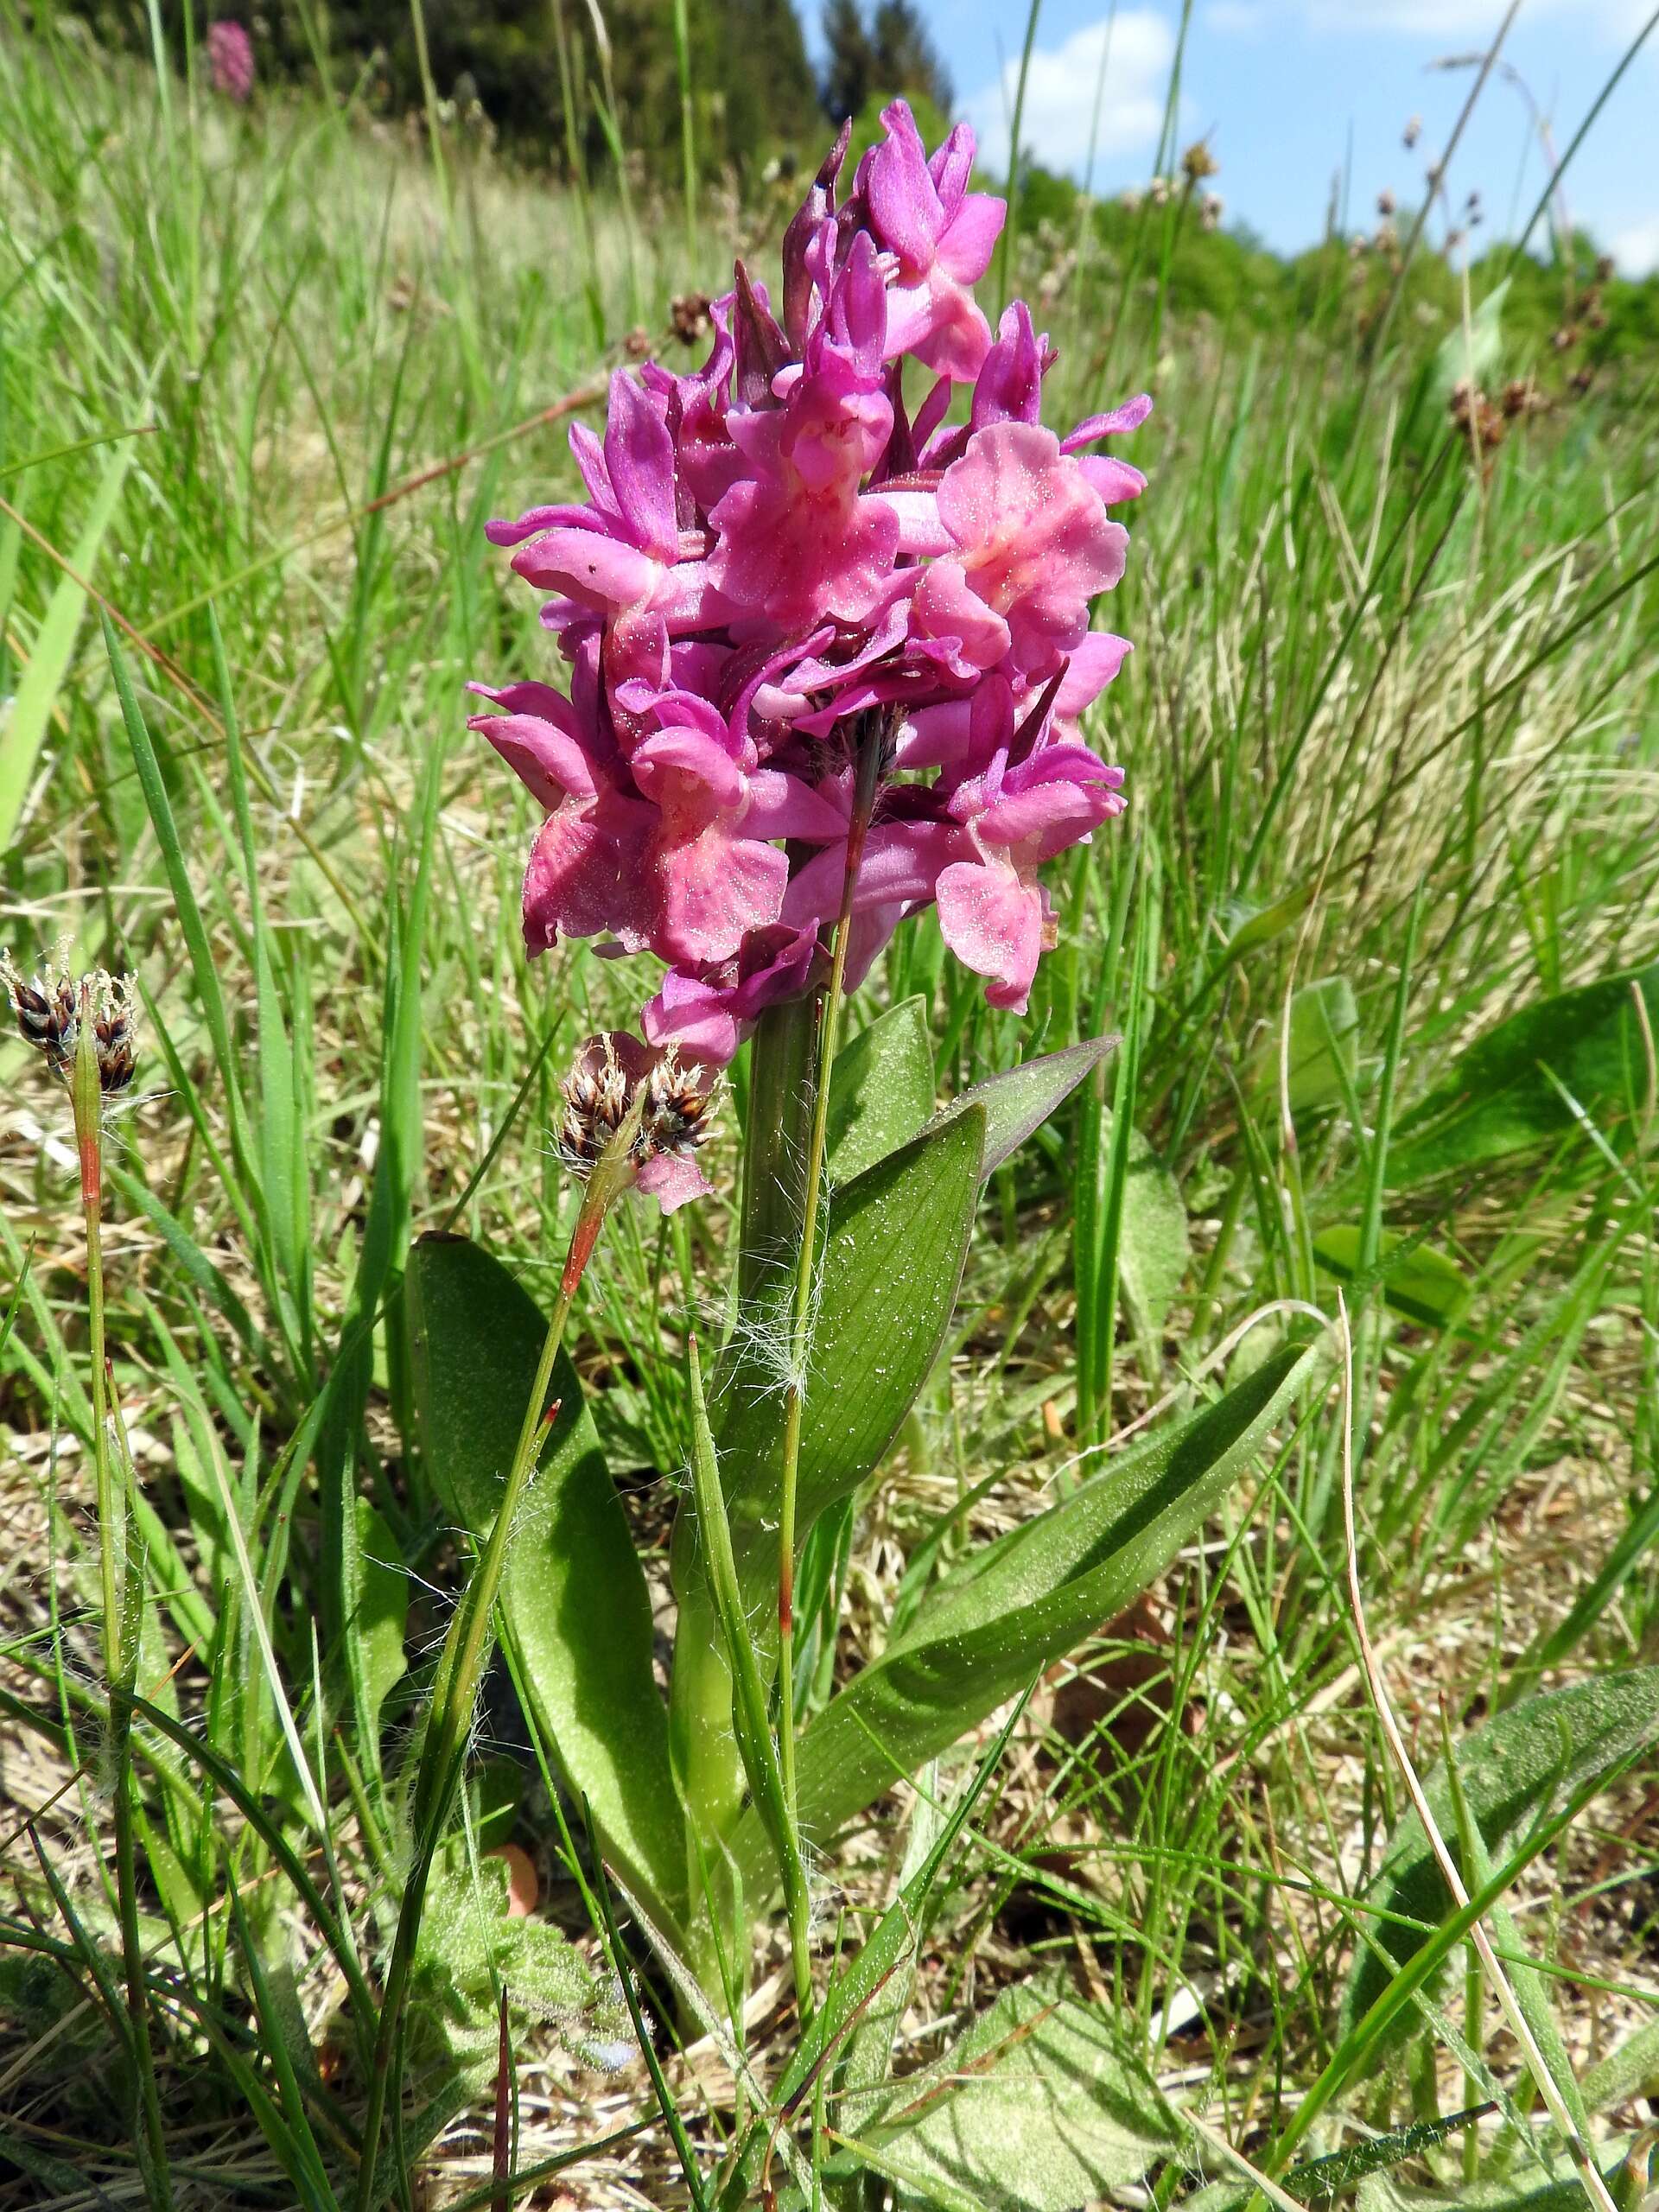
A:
(1032, 545)
(621, 552)
(1113, 479)
(583, 878)
(704, 1010)
(230, 61)
(541, 739)
(992, 908)
(944, 236)
(776, 566)
(994, 912)
(796, 540)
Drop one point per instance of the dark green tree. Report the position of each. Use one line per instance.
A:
(760, 62)
(850, 71)
(906, 60)
(890, 53)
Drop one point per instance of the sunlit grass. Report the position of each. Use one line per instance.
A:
(1391, 727)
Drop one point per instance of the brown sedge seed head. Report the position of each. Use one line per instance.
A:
(47, 1009)
(676, 1113)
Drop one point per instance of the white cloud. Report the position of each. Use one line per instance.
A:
(1056, 123)
(1636, 248)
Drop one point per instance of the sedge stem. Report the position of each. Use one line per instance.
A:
(466, 1649)
(869, 762)
(116, 1568)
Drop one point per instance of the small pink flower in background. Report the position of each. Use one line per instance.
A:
(230, 61)
(776, 563)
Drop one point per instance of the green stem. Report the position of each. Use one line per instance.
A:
(465, 1650)
(707, 1762)
(120, 1611)
(774, 1160)
(869, 761)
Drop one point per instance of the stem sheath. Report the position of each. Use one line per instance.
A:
(869, 763)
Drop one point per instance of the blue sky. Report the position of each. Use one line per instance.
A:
(1289, 93)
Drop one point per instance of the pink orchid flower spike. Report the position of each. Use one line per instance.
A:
(774, 566)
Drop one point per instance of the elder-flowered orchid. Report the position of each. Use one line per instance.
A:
(230, 61)
(778, 566)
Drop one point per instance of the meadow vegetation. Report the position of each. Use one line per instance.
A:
(1378, 937)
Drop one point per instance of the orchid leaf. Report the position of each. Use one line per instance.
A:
(881, 1092)
(573, 1597)
(1018, 1103)
(1022, 1602)
(892, 1259)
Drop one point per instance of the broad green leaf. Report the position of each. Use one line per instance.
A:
(881, 1092)
(1497, 1098)
(1515, 1770)
(892, 1258)
(1323, 1048)
(574, 1597)
(1026, 1599)
(1153, 1246)
(1019, 1101)
(1037, 2109)
(23, 731)
(1425, 1283)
